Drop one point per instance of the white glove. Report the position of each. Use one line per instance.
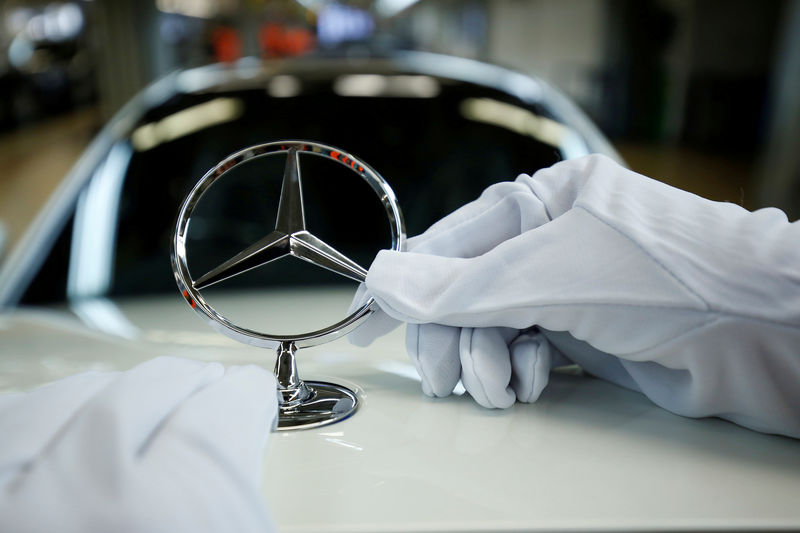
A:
(694, 303)
(170, 446)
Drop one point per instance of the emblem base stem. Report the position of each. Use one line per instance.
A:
(308, 404)
(291, 387)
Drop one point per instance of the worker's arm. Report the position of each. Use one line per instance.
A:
(694, 303)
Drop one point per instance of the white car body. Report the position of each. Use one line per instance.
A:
(587, 456)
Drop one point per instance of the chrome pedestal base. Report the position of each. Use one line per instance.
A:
(327, 404)
(310, 404)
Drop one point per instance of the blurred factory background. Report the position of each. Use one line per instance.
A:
(704, 95)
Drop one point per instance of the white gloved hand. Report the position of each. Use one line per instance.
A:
(694, 303)
(171, 445)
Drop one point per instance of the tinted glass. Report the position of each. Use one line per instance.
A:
(434, 155)
(434, 158)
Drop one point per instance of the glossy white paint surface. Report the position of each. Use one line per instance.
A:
(587, 456)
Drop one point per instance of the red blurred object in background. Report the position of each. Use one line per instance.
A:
(227, 44)
(277, 40)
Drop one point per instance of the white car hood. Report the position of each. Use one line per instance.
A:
(587, 456)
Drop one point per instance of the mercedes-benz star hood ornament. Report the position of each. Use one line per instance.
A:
(303, 404)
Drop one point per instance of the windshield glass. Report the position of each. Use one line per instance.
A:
(437, 147)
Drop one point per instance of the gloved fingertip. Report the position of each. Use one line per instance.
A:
(530, 362)
(427, 390)
(441, 389)
(485, 366)
(433, 349)
(507, 400)
(377, 325)
(497, 401)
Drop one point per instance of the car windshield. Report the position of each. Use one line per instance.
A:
(438, 142)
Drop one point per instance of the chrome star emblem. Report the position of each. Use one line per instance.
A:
(289, 238)
(303, 404)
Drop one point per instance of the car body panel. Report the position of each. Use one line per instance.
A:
(587, 456)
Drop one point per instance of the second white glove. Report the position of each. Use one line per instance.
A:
(171, 445)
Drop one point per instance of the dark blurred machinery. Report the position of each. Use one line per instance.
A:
(47, 67)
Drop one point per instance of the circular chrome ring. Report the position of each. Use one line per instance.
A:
(186, 283)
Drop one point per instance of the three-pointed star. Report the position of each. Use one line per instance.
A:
(289, 238)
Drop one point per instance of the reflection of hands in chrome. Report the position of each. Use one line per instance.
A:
(694, 303)
(170, 445)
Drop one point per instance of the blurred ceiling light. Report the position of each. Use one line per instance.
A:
(205, 9)
(389, 8)
(519, 120)
(186, 122)
(283, 86)
(68, 20)
(20, 51)
(36, 28)
(337, 23)
(379, 85)
(57, 22)
(17, 19)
